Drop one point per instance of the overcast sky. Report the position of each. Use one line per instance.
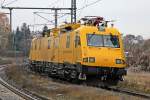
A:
(132, 16)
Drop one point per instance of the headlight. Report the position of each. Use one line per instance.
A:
(118, 61)
(91, 59)
(85, 59)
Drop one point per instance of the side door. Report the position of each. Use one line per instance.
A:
(77, 48)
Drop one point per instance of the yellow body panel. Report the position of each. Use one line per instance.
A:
(56, 50)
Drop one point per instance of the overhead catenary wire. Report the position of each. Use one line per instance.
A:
(40, 24)
(2, 2)
(80, 9)
(52, 21)
(87, 5)
(90, 4)
(34, 22)
(49, 13)
(55, 2)
(11, 2)
(84, 3)
(43, 18)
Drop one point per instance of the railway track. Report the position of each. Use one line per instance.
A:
(32, 96)
(2, 66)
(118, 89)
(27, 95)
(111, 88)
(129, 92)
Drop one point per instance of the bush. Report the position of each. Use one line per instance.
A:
(139, 50)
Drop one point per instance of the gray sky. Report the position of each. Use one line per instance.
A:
(132, 16)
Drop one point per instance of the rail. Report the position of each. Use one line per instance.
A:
(109, 88)
(119, 90)
(34, 96)
(129, 92)
(27, 95)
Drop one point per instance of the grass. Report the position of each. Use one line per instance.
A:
(57, 91)
(4, 61)
(137, 81)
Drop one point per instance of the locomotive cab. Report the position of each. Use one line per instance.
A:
(102, 52)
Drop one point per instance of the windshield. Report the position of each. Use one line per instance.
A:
(102, 40)
(95, 40)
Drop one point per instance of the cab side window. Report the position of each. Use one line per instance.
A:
(49, 42)
(32, 46)
(68, 41)
(35, 45)
(77, 41)
(40, 44)
(56, 43)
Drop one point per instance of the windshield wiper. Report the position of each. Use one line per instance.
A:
(91, 36)
(114, 40)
